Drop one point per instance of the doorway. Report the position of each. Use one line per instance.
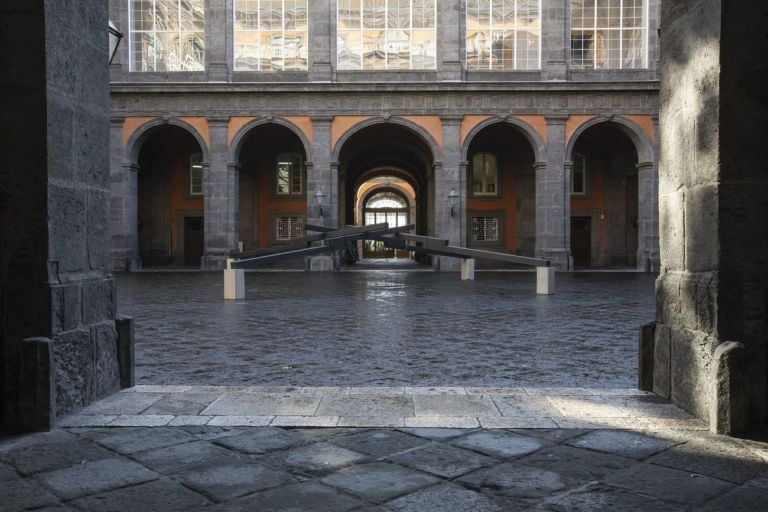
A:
(581, 241)
(193, 241)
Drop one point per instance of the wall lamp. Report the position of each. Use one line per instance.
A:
(114, 40)
(319, 198)
(453, 199)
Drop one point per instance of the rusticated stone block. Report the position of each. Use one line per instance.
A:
(99, 301)
(65, 307)
(729, 394)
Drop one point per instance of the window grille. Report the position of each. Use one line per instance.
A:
(486, 228)
(167, 35)
(386, 34)
(609, 34)
(271, 35)
(503, 34)
(288, 227)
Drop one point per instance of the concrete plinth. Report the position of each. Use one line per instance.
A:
(320, 263)
(545, 280)
(234, 284)
(468, 269)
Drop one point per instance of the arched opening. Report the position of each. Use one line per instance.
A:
(384, 199)
(501, 191)
(604, 198)
(170, 198)
(273, 186)
(387, 156)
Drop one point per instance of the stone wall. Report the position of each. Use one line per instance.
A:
(58, 337)
(713, 207)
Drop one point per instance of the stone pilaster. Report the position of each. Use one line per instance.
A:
(648, 217)
(555, 43)
(218, 39)
(221, 187)
(123, 191)
(323, 174)
(450, 222)
(322, 16)
(553, 198)
(450, 40)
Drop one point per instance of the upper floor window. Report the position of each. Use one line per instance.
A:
(609, 34)
(386, 34)
(196, 175)
(503, 34)
(271, 35)
(579, 175)
(167, 35)
(289, 174)
(485, 175)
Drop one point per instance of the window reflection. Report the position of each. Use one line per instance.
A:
(503, 34)
(271, 35)
(608, 34)
(386, 34)
(167, 35)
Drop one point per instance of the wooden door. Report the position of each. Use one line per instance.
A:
(581, 241)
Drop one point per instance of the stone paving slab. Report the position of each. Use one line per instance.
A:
(386, 406)
(213, 468)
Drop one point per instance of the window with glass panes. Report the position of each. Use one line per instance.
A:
(485, 175)
(486, 228)
(288, 227)
(289, 174)
(503, 34)
(609, 34)
(579, 175)
(271, 35)
(386, 34)
(166, 35)
(196, 175)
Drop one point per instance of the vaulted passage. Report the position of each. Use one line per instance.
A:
(604, 199)
(501, 204)
(387, 158)
(273, 182)
(170, 198)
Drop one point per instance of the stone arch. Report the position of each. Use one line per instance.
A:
(237, 141)
(526, 129)
(417, 130)
(636, 134)
(142, 133)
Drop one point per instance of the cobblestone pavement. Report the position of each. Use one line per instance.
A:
(272, 469)
(388, 328)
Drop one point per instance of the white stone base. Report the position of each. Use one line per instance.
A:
(234, 284)
(468, 269)
(545, 280)
(320, 263)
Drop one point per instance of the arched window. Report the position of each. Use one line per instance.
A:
(386, 206)
(289, 174)
(485, 175)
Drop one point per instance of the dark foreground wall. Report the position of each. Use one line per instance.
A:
(57, 307)
(713, 286)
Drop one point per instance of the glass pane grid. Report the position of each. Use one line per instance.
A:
(271, 35)
(167, 35)
(608, 34)
(503, 34)
(386, 34)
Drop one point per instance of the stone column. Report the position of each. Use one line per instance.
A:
(713, 187)
(322, 174)
(648, 217)
(124, 203)
(321, 39)
(553, 198)
(222, 196)
(555, 40)
(448, 177)
(218, 39)
(58, 341)
(450, 40)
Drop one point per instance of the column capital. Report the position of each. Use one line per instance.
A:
(463, 165)
(556, 118)
(130, 167)
(540, 166)
(117, 120)
(233, 166)
(218, 120)
(334, 165)
(451, 119)
(645, 166)
(322, 119)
